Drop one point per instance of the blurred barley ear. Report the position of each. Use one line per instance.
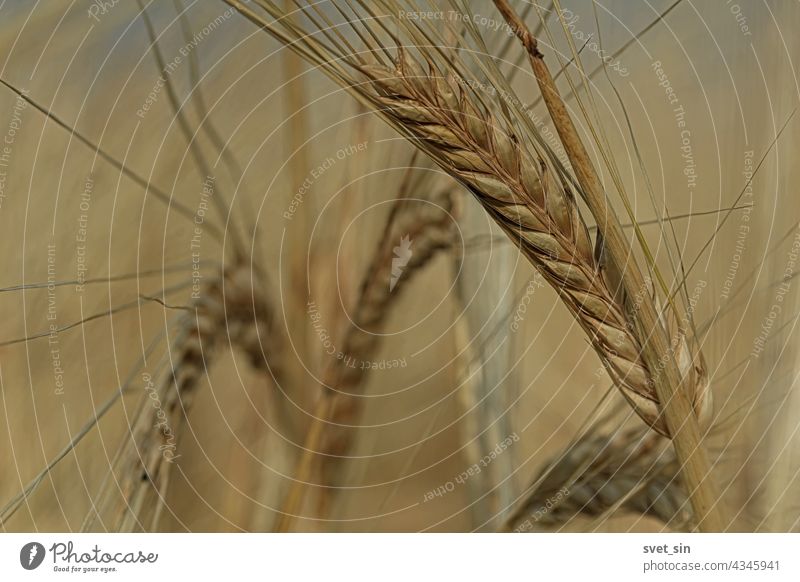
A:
(630, 470)
(428, 221)
(231, 309)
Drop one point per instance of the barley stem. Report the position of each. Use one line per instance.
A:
(676, 406)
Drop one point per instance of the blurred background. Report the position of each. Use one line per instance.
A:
(483, 350)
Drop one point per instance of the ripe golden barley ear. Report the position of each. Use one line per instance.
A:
(528, 194)
(634, 471)
(537, 209)
(231, 308)
(429, 225)
(529, 198)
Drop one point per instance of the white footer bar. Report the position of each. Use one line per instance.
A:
(402, 557)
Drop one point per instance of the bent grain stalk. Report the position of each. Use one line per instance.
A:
(428, 224)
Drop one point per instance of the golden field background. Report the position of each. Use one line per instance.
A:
(540, 382)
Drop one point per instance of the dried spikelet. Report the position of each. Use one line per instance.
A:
(231, 308)
(633, 472)
(430, 226)
(536, 209)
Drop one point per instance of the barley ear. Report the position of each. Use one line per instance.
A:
(676, 393)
